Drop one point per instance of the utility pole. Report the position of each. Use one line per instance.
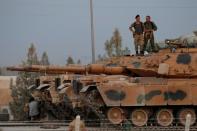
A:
(92, 31)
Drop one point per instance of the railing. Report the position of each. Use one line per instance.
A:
(98, 125)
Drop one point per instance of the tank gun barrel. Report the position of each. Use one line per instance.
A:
(89, 69)
(47, 69)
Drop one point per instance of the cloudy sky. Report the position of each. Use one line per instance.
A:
(62, 27)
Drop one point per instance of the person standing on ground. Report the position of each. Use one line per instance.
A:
(137, 28)
(34, 109)
(149, 28)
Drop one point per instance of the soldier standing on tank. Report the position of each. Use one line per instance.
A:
(149, 28)
(137, 28)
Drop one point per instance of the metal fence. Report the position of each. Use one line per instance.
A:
(91, 125)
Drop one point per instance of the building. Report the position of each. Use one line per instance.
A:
(5, 93)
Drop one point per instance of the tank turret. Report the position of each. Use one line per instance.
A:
(171, 63)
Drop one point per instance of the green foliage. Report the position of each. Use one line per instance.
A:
(117, 42)
(70, 60)
(101, 58)
(44, 59)
(79, 61)
(126, 51)
(19, 92)
(109, 48)
(113, 47)
(5, 111)
(32, 57)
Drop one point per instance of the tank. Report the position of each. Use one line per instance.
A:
(157, 88)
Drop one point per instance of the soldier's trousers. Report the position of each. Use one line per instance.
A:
(148, 37)
(139, 42)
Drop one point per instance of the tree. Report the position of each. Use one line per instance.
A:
(101, 57)
(126, 51)
(113, 47)
(109, 48)
(32, 57)
(79, 61)
(45, 59)
(0, 71)
(19, 92)
(195, 32)
(117, 42)
(70, 60)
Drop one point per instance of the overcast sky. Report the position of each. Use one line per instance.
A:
(62, 27)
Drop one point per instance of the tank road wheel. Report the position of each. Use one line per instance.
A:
(183, 114)
(114, 115)
(164, 117)
(139, 117)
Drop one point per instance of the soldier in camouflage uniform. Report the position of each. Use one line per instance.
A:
(149, 28)
(137, 28)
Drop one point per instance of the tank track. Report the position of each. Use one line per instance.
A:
(159, 128)
(147, 128)
(106, 125)
(108, 128)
